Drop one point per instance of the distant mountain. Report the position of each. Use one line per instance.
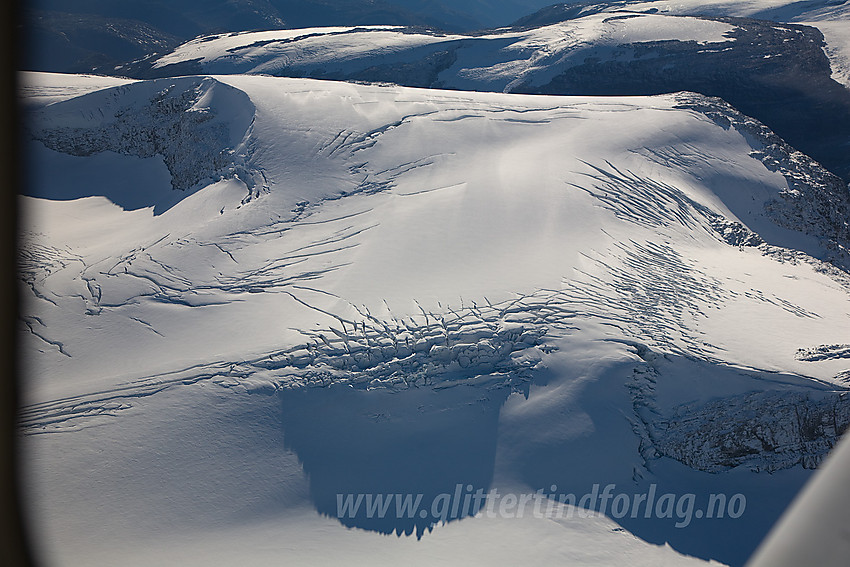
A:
(831, 17)
(63, 42)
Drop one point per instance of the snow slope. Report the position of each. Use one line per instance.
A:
(383, 289)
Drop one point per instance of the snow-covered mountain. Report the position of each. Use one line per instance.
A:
(85, 36)
(249, 295)
(775, 10)
(778, 73)
(830, 17)
(511, 57)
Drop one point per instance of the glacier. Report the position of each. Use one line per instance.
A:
(311, 288)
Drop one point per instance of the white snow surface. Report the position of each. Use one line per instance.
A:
(42, 89)
(260, 52)
(513, 281)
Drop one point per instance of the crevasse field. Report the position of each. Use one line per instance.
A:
(247, 296)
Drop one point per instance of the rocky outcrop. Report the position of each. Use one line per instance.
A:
(759, 430)
(198, 125)
(762, 431)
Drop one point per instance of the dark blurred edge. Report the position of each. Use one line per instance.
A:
(13, 538)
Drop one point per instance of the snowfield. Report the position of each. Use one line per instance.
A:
(307, 288)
